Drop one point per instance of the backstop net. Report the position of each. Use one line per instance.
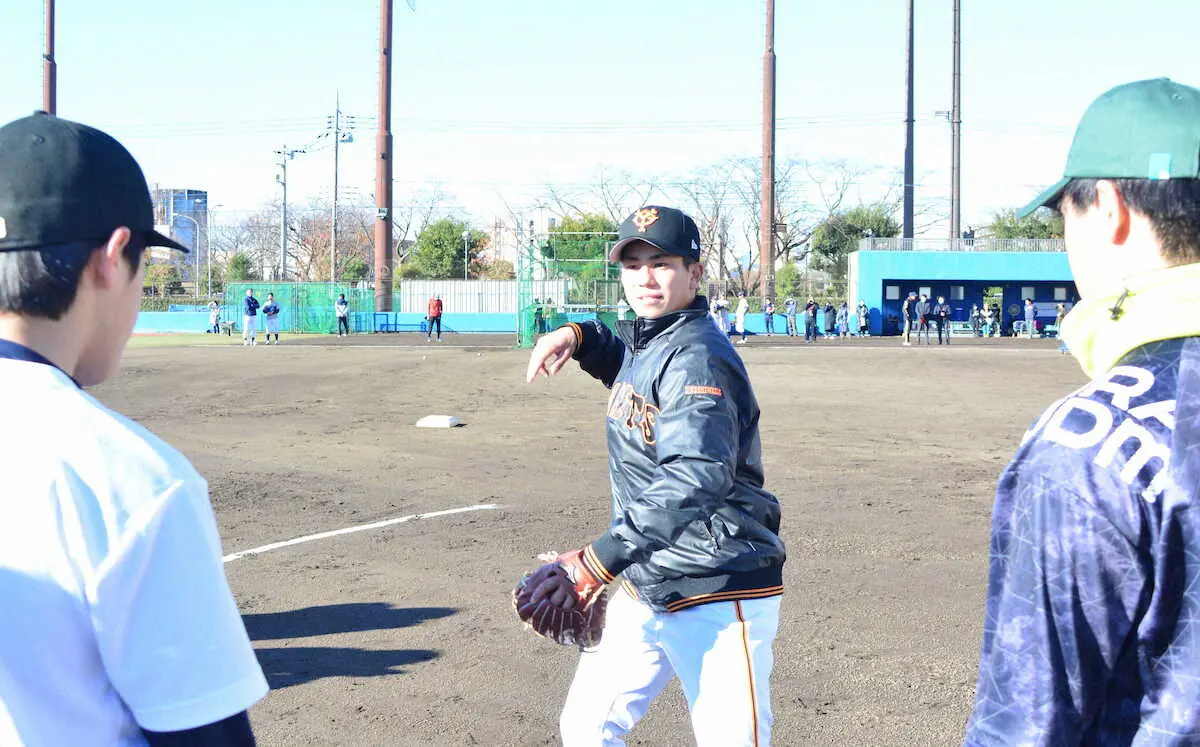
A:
(567, 278)
(304, 307)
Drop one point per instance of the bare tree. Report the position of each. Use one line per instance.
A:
(614, 194)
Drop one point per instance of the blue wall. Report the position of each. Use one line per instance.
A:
(975, 271)
(197, 321)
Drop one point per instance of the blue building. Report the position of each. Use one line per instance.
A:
(966, 272)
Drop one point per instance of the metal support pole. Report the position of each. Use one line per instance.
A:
(383, 165)
(337, 142)
(908, 129)
(956, 131)
(283, 222)
(766, 228)
(466, 235)
(49, 66)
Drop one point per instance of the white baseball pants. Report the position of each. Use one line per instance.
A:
(249, 327)
(721, 652)
(272, 323)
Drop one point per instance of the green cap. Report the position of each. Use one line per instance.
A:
(1144, 130)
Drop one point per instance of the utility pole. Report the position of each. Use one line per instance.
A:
(49, 67)
(766, 227)
(337, 142)
(383, 165)
(956, 131)
(285, 155)
(908, 129)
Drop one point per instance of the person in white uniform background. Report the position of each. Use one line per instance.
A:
(118, 625)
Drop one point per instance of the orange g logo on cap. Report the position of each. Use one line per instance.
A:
(645, 218)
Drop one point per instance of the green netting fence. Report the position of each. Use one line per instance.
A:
(307, 307)
(593, 290)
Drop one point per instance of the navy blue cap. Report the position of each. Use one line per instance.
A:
(666, 228)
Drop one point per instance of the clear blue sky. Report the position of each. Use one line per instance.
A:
(493, 100)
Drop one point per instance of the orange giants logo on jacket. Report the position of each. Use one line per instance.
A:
(629, 408)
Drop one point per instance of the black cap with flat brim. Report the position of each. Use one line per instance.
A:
(63, 182)
(664, 228)
(1148, 129)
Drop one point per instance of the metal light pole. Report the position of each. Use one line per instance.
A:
(466, 255)
(956, 131)
(195, 250)
(284, 156)
(49, 67)
(908, 128)
(766, 226)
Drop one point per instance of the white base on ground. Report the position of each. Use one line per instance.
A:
(438, 421)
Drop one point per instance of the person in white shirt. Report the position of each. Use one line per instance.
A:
(743, 308)
(119, 627)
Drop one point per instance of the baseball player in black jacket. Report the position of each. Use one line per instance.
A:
(694, 535)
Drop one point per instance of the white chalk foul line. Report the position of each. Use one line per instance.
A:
(359, 528)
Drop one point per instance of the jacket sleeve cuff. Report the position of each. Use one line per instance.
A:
(606, 558)
(585, 336)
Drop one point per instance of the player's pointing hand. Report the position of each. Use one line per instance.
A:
(551, 353)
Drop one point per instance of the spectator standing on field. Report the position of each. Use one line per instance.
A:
(830, 319)
(908, 309)
(249, 319)
(434, 317)
(941, 317)
(810, 321)
(843, 320)
(769, 317)
(789, 313)
(743, 308)
(214, 317)
(864, 319)
(1030, 317)
(924, 312)
(341, 310)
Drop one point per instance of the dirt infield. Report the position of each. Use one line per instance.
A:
(884, 459)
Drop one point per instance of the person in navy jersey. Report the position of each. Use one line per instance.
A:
(1089, 634)
(270, 312)
(249, 318)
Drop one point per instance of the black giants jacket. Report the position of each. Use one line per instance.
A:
(691, 521)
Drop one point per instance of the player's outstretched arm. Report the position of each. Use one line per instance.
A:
(551, 353)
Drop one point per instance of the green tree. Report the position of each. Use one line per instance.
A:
(438, 252)
(354, 270)
(587, 236)
(1041, 225)
(788, 284)
(240, 268)
(161, 276)
(838, 235)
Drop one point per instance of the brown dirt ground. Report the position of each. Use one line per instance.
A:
(883, 457)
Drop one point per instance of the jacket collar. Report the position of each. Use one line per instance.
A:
(1159, 305)
(637, 334)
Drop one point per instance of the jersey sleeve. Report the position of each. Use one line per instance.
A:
(1064, 588)
(696, 441)
(599, 351)
(168, 629)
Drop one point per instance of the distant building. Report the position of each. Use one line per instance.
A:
(182, 214)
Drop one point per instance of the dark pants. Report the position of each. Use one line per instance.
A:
(769, 319)
(434, 320)
(943, 325)
(343, 324)
(810, 330)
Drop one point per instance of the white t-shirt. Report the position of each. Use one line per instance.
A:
(114, 608)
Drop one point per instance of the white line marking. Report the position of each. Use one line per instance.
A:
(360, 528)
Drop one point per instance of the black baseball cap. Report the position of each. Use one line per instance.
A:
(63, 182)
(666, 228)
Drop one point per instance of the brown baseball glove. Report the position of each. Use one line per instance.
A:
(562, 601)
